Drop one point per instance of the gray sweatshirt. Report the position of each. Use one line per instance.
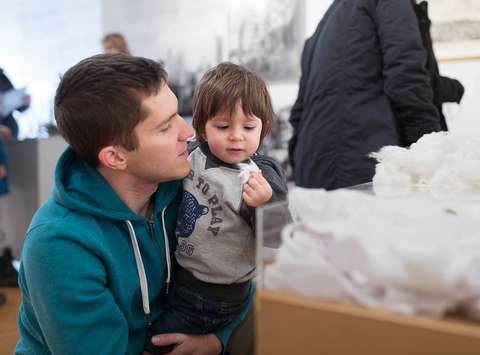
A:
(215, 228)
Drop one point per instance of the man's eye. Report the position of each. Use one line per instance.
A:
(165, 128)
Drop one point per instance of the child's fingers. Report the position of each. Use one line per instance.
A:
(249, 190)
(254, 183)
(248, 200)
(252, 193)
(260, 179)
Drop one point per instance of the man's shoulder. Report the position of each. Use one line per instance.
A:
(53, 219)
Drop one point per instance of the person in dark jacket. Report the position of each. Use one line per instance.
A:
(444, 89)
(8, 125)
(364, 85)
(3, 169)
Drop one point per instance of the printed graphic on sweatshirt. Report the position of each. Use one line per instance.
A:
(190, 210)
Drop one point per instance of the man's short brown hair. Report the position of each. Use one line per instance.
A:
(99, 101)
(225, 85)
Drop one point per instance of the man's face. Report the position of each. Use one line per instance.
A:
(161, 154)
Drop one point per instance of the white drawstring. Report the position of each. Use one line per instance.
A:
(140, 269)
(139, 262)
(167, 250)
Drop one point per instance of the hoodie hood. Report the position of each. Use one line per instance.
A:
(80, 187)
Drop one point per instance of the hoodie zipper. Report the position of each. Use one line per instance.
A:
(151, 230)
(151, 227)
(139, 262)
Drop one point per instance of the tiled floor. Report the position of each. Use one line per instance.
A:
(8, 320)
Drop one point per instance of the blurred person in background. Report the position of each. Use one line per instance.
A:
(13, 100)
(114, 43)
(364, 85)
(8, 274)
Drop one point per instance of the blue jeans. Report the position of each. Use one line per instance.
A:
(190, 312)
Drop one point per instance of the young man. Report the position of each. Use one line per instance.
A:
(96, 253)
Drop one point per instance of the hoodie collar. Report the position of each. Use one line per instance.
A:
(80, 187)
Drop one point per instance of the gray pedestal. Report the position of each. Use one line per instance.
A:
(31, 174)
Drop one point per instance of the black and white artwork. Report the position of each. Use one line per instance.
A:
(267, 36)
(455, 26)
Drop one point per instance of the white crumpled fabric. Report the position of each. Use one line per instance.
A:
(246, 169)
(409, 256)
(443, 165)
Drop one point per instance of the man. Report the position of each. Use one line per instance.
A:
(364, 85)
(96, 259)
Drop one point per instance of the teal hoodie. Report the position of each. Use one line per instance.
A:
(80, 278)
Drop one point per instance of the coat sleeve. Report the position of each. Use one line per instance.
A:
(65, 285)
(297, 109)
(406, 80)
(448, 90)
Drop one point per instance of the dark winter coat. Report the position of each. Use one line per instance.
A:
(364, 85)
(444, 89)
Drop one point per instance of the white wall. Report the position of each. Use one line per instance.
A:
(467, 114)
(168, 30)
(40, 40)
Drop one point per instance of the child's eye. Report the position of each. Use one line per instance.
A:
(222, 127)
(249, 128)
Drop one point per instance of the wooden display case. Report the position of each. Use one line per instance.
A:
(297, 325)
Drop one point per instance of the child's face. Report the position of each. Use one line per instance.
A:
(235, 138)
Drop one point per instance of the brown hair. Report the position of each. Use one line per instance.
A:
(118, 41)
(222, 87)
(99, 101)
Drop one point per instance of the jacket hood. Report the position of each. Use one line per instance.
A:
(80, 187)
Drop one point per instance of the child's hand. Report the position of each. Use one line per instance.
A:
(257, 190)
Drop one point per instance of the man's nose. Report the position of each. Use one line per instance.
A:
(186, 131)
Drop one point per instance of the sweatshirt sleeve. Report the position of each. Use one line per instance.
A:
(406, 80)
(75, 310)
(275, 176)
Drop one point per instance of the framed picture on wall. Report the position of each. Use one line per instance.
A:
(267, 36)
(455, 29)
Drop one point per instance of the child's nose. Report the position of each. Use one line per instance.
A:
(235, 135)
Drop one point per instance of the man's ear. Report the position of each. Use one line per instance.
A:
(113, 157)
